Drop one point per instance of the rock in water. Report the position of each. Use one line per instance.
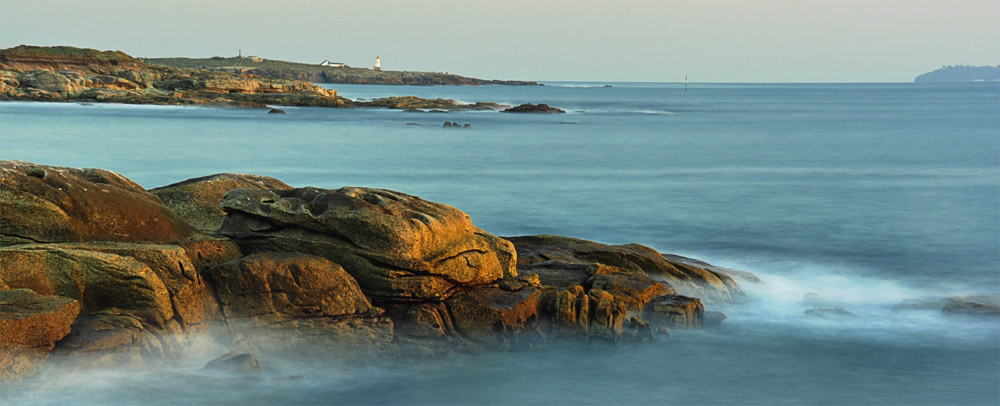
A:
(710, 286)
(198, 200)
(397, 246)
(677, 310)
(534, 108)
(830, 312)
(30, 325)
(276, 111)
(979, 305)
(234, 362)
(41, 203)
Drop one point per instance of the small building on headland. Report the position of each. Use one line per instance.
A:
(332, 64)
(378, 62)
(256, 59)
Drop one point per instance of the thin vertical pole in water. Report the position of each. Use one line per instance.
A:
(685, 83)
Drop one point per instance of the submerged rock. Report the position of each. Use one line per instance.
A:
(534, 108)
(280, 300)
(830, 312)
(677, 310)
(275, 111)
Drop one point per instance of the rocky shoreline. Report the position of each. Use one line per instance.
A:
(95, 270)
(70, 74)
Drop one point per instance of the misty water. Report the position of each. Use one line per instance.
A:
(866, 194)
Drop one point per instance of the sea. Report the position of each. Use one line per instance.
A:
(865, 194)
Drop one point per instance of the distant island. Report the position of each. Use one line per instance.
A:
(961, 73)
(326, 72)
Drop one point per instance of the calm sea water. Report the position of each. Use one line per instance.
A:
(864, 193)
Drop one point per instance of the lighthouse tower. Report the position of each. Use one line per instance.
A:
(378, 62)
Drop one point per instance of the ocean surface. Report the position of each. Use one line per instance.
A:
(867, 194)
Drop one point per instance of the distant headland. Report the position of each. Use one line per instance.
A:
(327, 72)
(89, 75)
(962, 73)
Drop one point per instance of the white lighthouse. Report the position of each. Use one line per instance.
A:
(378, 62)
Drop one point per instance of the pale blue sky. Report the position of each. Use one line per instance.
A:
(622, 40)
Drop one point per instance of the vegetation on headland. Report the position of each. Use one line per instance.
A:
(327, 74)
(962, 73)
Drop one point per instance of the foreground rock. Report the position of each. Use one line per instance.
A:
(330, 74)
(963, 305)
(287, 300)
(198, 200)
(30, 325)
(96, 271)
(40, 203)
(710, 286)
(397, 246)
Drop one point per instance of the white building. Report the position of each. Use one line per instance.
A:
(332, 64)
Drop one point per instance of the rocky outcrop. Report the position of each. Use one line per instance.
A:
(113, 277)
(98, 280)
(415, 103)
(961, 305)
(329, 74)
(198, 200)
(30, 325)
(283, 300)
(40, 203)
(977, 305)
(76, 74)
(397, 246)
(534, 108)
(710, 286)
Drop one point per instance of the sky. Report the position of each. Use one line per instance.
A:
(578, 40)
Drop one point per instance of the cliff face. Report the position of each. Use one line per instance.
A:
(76, 74)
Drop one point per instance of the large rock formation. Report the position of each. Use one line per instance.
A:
(40, 203)
(66, 73)
(198, 200)
(711, 286)
(397, 246)
(97, 270)
(284, 300)
(30, 325)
